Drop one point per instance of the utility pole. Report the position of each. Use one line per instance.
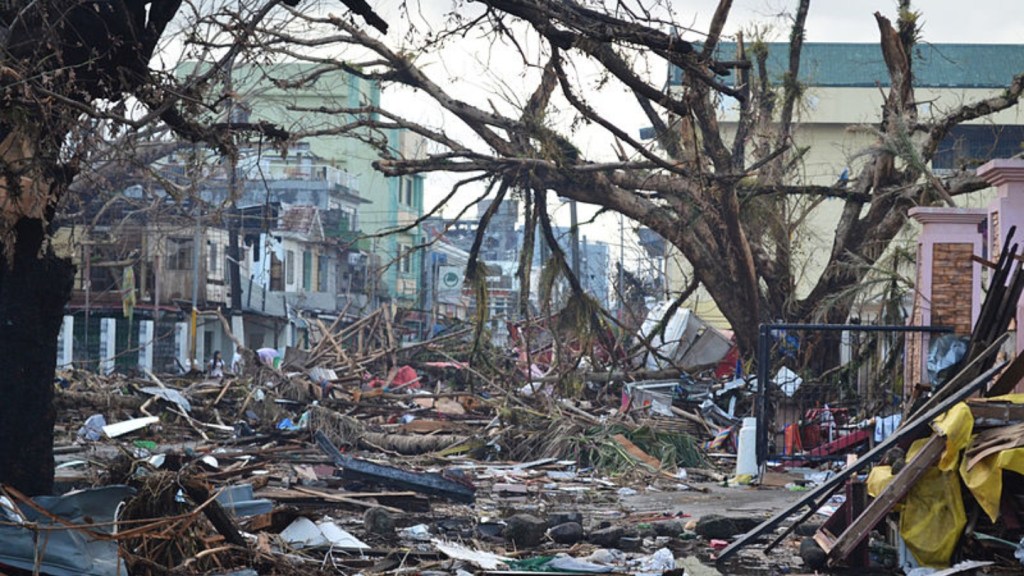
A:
(234, 221)
(622, 266)
(196, 239)
(87, 247)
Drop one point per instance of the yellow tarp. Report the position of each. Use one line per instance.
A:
(933, 517)
(878, 479)
(985, 479)
(932, 513)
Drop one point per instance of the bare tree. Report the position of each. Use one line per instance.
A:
(728, 200)
(73, 75)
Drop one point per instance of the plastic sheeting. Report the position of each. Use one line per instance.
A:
(932, 516)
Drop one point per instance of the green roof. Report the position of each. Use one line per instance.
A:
(861, 65)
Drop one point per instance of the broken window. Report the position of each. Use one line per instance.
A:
(214, 263)
(179, 253)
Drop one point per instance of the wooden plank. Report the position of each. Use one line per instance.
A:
(1008, 380)
(910, 427)
(636, 453)
(344, 500)
(1002, 411)
(861, 526)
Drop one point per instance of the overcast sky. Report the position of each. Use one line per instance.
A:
(981, 21)
(471, 65)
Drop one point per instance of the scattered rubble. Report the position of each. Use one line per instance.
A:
(364, 455)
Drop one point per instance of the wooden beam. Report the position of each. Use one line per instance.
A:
(1002, 411)
(858, 530)
(1008, 380)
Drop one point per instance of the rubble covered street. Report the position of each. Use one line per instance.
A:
(431, 467)
(363, 455)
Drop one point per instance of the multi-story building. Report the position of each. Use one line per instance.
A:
(844, 90)
(297, 260)
(319, 107)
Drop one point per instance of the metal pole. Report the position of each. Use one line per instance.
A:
(87, 246)
(622, 265)
(196, 239)
(760, 410)
(574, 235)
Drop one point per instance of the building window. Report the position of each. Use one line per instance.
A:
(322, 273)
(179, 253)
(289, 267)
(405, 258)
(214, 265)
(276, 278)
(969, 146)
(407, 187)
(307, 270)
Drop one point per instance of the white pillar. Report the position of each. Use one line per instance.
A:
(238, 329)
(288, 336)
(108, 344)
(66, 343)
(147, 331)
(181, 345)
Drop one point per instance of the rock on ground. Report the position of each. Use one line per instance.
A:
(715, 526)
(525, 530)
(566, 533)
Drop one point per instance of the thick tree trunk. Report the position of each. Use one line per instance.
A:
(34, 287)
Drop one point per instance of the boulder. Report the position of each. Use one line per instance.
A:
(606, 537)
(525, 530)
(566, 533)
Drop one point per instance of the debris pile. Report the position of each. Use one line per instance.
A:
(362, 453)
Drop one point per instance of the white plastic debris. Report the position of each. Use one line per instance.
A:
(606, 556)
(484, 560)
(788, 381)
(658, 563)
(122, 428)
(303, 533)
(92, 429)
(168, 394)
(419, 533)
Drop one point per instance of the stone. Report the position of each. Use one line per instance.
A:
(694, 567)
(806, 528)
(525, 530)
(812, 554)
(630, 543)
(606, 537)
(556, 518)
(714, 526)
(670, 528)
(379, 522)
(566, 533)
